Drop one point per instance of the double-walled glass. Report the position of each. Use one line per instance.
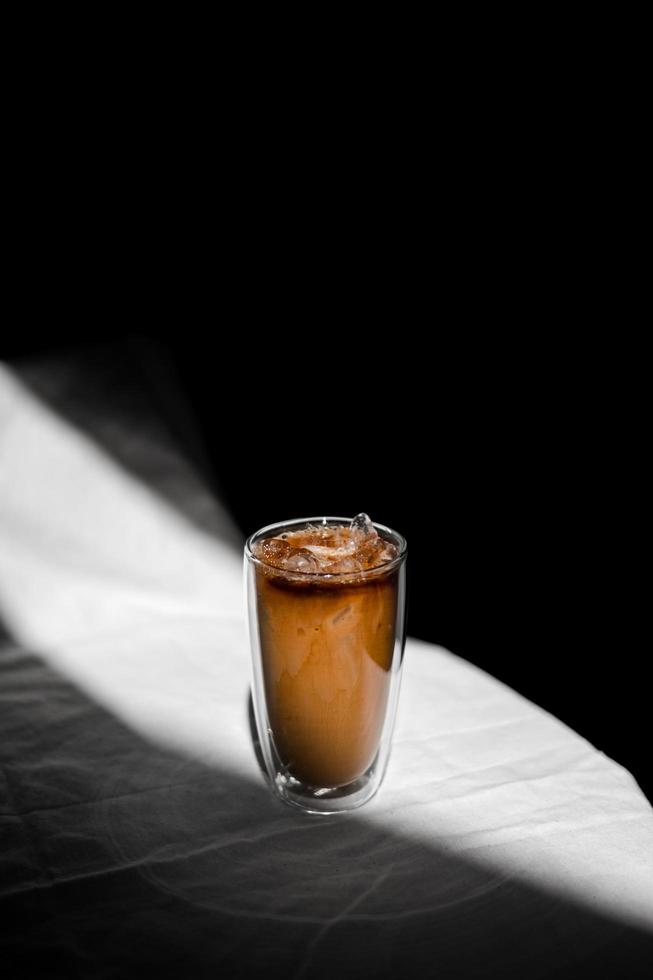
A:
(327, 652)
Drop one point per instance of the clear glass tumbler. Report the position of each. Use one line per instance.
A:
(327, 652)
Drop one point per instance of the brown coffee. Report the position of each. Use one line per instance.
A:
(327, 612)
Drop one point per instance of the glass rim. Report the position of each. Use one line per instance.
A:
(396, 538)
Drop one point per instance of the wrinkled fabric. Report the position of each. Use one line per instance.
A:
(138, 835)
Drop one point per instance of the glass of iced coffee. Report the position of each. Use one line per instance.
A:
(326, 599)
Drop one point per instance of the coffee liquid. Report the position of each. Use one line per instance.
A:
(327, 613)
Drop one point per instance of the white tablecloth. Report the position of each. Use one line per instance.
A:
(137, 831)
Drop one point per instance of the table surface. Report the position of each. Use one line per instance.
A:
(137, 830)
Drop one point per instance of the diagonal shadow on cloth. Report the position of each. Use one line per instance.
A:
(121, 858)
(133, 399)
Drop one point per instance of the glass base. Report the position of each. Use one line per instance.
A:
(326, 799)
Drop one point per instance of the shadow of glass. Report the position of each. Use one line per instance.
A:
(120, 857)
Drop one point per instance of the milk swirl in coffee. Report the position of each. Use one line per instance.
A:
(327, 607)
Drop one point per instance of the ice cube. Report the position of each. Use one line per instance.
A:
(362, 523)
(389, 551)
(314, 534)
(301, 560)
(374, 552)
(273, 551)
(344, 566)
